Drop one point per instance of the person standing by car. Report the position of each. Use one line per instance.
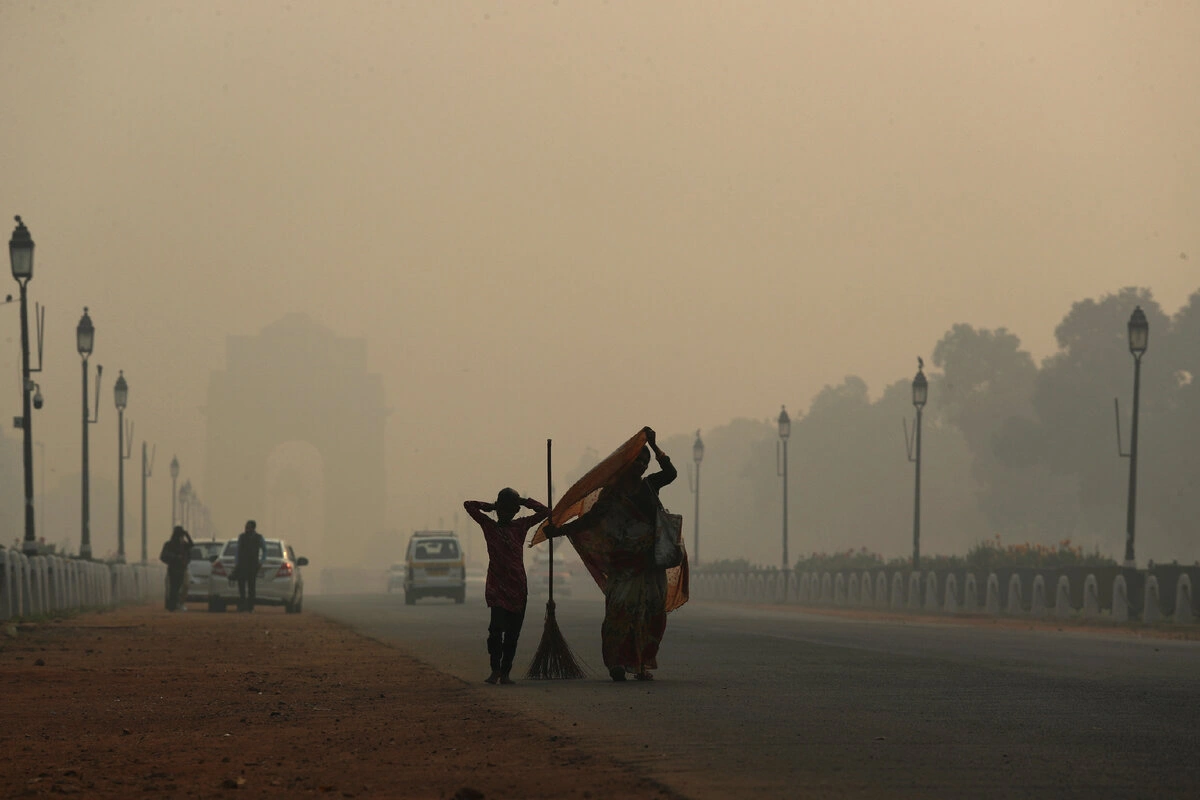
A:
(176, 553)
(251, 552)
(506, 590)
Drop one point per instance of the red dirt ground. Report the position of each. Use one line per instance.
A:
(141, 703)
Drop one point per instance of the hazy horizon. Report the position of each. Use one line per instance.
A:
(524, 209)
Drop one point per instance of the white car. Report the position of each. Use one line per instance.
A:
(434, 567)
(280, 579)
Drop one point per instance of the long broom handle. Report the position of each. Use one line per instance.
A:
(550, 504)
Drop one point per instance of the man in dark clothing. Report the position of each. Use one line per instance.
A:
(506, 591)
(251, 551)
(176, 553)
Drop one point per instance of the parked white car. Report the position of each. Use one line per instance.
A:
(280, 579)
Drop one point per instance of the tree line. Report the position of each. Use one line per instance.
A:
(1012, 448)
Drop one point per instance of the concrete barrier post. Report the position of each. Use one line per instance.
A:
(1183, 600)
(931, 593)
(1091, 597)
(1062, 597)
(970, 594)
(1151, 610)
(897, 595)
(992, 598)
(950, 605)
(1037, 606)
(1120, 600)
(914, 592)
(6, 603)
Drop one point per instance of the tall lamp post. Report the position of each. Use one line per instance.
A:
(20, 253)
(1139, 339)
(121, 398)
(697, 456)
(147, 471)
(920, 393)
(85, 339)
(174, 495)
(785, 430)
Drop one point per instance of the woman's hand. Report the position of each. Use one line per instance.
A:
(650, 436)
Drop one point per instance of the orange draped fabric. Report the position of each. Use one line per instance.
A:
(590, 544)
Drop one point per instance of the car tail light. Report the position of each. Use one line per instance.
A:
(218, 568)
(285, 570)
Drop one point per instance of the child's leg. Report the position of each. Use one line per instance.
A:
(495, 640)
(512, 632)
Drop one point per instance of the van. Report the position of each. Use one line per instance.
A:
(434, 567)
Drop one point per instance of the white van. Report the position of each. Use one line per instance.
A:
(435, 567)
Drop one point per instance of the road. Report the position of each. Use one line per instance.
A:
(781, 703)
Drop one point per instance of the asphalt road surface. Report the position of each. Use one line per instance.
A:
(770, 703)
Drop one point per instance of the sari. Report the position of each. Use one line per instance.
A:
(614, 531)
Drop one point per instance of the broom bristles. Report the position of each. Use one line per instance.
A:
(553, 659)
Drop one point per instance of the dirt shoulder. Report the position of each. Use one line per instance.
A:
(139, 702)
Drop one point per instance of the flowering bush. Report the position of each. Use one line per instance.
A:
(847, 560)
(985, 556)
(990, 554)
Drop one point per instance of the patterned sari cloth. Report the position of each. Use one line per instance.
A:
(614, 537)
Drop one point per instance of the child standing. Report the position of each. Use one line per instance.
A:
(506, 591)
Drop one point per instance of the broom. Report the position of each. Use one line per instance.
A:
(553, 658)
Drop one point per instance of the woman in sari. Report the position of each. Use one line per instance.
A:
(635, 590)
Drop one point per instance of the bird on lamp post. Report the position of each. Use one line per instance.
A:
(1139, 339)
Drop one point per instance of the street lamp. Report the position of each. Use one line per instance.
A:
(121, 397)
(174, 477)
(697, 456)
(785, 430)
(920, 393)
(1139, 339)
(85, 338)
(20, 253)
(147, 471)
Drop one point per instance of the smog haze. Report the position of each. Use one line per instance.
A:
(569, 220)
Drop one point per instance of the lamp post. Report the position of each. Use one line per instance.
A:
(920, 393)
(20, 253)
(147, 471)
(1139, 339)
(697, 456)
(121, 398)
(785, 430)
(85, 339)
(174, 477)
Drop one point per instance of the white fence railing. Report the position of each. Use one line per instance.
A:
(1159, 593)
(31, 586)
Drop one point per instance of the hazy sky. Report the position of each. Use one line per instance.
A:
(570, 219)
